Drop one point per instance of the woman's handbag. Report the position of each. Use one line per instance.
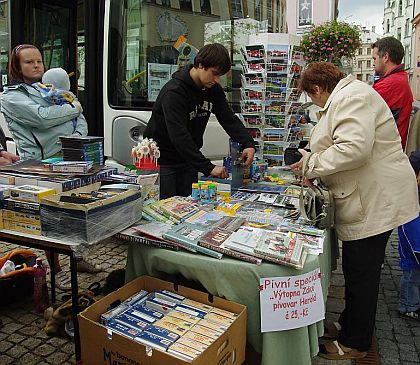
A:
(317, 204)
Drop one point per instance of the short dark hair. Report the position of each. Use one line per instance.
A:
(326, 75)
(15, 72)
(392, 46)
(214, 55)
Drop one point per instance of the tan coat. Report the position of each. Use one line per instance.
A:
(358, 155)
(413, 139)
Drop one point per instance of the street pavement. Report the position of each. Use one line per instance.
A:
(24, 342)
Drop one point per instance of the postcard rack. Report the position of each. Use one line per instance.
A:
(270, 99)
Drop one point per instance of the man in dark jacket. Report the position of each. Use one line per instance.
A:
(392, 83)
(179, 119)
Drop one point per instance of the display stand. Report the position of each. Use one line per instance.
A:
(270, 99)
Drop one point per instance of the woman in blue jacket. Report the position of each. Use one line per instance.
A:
(34, 122)
(37, 125)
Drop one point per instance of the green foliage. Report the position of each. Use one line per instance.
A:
(330, 42)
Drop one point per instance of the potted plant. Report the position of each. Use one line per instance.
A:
(331, 42)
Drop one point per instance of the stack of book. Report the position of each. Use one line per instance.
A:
(87, 148)
(76, 167)
(169, 322)
(21, 211)
(176, 209)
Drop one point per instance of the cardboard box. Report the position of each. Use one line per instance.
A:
(102, 348)
(92, 222)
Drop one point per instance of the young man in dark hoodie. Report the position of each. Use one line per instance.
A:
(179, 119)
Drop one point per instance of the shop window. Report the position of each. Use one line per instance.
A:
(185, 5)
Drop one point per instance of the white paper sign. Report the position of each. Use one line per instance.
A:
(291, 301)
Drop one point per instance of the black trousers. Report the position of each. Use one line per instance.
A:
(176, 180)
(362, 261)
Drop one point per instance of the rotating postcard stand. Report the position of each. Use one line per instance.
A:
(270, 103)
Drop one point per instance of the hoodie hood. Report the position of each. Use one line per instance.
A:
(184, 75)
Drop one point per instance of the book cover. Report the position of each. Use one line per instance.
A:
(280, 246)
(183, 352)
(30, 193)
(152, 340)
(230, 224)
(199, 346)
(202, 338)
(149, 211)
(132, 235)
(151, 229)
(178, 208)
(122, 329)
(187, 235)
(71, 166)
(297, 266)
(162, 332)
(243, 240)
(215, 239)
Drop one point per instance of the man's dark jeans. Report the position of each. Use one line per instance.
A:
(176, 180)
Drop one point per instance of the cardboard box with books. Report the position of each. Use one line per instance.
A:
(92, 221)
(102, 345)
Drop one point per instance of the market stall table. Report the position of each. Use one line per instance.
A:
(239, 281)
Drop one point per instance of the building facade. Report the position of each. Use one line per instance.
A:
(303, 14)
(362, 66)
(398, 15)
(415, 84)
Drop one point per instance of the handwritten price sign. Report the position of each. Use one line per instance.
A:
(291, 301)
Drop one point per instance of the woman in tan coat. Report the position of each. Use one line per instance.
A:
(357, 154)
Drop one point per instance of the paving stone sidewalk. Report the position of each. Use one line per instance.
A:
(24, 342)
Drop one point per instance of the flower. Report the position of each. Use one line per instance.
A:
(320, 44)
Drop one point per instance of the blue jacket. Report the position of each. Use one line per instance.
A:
(35, 124)
(409, 244)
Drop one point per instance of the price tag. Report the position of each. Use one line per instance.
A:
(291, 301)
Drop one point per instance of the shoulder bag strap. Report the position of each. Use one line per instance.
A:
(301, 195)
(301, 202)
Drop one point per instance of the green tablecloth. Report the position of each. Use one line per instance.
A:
(238, 281)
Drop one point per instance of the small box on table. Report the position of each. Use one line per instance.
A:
(91, 222)
(101, 346)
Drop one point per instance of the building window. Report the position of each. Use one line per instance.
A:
(399, 34)
(237, 12)
(388, 26)
(369, 50)
(407, 56)
(360, 64)
(407, 28)
(185, 5)
(258, 9)
(360, 51)
(166, 3)
(205, 6)
(359, 77)
(400, 7)
(368, 64)
(305, 13)
(270, 13)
